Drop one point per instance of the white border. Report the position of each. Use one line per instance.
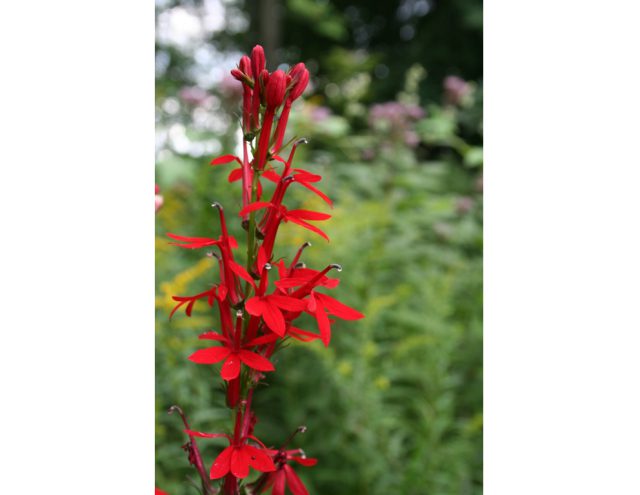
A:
(562, 259)
(77, 90)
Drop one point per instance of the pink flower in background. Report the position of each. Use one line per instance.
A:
(320, 113)
(194, 96)
(159, 198)
(395, 112)
(397, 119)
(464, 204)
(455, 89)
(230, 88)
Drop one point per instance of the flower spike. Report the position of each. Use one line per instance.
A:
(256, 316)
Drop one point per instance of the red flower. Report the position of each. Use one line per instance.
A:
(219, 292)
(284, 476)
(274, 95)
(237, 458)
(258, 63)
(243, 172)
(200, 242)
(303, 276)
(232, 355)
(284, 214)
(321, 304)
(276, 89)
(270, 309)
(244, 74)
(299, 80)
(300, 176)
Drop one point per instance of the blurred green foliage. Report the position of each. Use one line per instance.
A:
(394, 405)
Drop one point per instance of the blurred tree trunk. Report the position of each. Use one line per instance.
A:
(270, 31)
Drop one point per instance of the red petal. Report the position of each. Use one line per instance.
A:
(271, 175)
(210, 355)
(222, 464)
(289, 282)
(257, 440)
(255, 306)
(306, 225)
(235, 175)
(255, 361)
(262, 258)
(183, 238)
(200, 434)
(308, 215)
(305, 461)
(295, 484)
(274, 319)
(325, 281)
(222, 292)
(259, 459)
(259, 190)
(339, 309)
(212, 336)
(264, 339)
(279, 483)
(287, 303)
(323, 325)
(230, 368)
(313, 303)
(240, 462)
(302, 335)
(189, 308)
(221, 160)
(240, 271)
(318, 192)
(254, 207)
(303, 175)
(177, 307)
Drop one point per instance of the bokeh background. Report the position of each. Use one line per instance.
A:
(394, 121)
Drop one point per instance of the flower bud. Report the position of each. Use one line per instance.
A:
(237, 74)
(264, 78)
(245, 66)
(276, 89)
(258, 62)
(300, 78)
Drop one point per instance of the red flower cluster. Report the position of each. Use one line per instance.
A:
(256, 315)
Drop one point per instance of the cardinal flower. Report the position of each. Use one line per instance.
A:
(218, 292)
(200, 242)
(258, 63)
(321, 304)
(270, 308)
(300, 176)
(299, 80)
(274, 95)
(283, 214)
(237, 458)
(285, 477)
(232, 355)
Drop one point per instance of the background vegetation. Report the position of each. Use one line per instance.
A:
(395, 404)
